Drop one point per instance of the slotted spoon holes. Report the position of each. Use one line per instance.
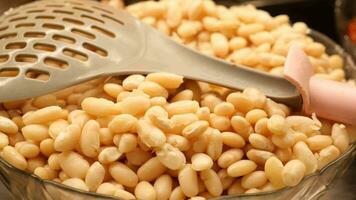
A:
(53, 26)
(9, 72)
(54, 6)
(63, 12)
(83, 33)
(26, 58)
(95, 49)
(92, 18)
(73, 21)
(35, 11)
(66, 30)
(34, 34)
(44, 47)
(55, 63)
(80, 56)
(15, 19)
(49, 17)
(38, 75)
(103, 31)
(113, 19)
(3, 28)
(16, 45)
(8, 35)
(4, 58)
(25, 25)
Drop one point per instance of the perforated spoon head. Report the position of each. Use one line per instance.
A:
(49, 45)
(52, 44)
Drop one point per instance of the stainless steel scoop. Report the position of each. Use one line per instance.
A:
(72, 41)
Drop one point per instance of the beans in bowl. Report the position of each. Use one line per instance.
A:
(240, 34)
(162, 137)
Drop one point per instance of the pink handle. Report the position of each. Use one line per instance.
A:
(333, 100)
(328, 99)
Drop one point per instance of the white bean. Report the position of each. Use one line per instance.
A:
(89, 139)
(170, 156)
(212, 182)
(10, 154)
(8, 126)
(123, 174)
(94, 176)
(73, 164)
(188, 181)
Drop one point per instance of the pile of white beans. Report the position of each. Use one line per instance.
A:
(239, 34)
(162, 137)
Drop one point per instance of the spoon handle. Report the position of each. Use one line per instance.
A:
(333, 100)
(328, 99)
(163, 54)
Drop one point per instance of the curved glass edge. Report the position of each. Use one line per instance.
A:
(24, 184)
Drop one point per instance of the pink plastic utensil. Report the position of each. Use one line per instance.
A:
(328, 99)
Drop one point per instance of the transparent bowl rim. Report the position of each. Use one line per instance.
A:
(347, 153)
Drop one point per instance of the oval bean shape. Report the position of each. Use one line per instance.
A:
(149, 134)
(241, 168)
(188, 181)
(229, 157)
(76, 183)
(94, 176)
(212, 182)
(99, 107)
(10, 154)
(122, 123)
(109, 155)
(302, 152)
(43, 115)
(293, 172)
(35, 132)
(68, 139)
(163, 187)
(73, 164)
(144, 190)
(151, 169)
(201, 162)
(89, 139)
(273, 170)
(254, 180)
(8, 126)
(123, 174)
(171, 157)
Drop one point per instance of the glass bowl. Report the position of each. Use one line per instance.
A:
(24, 185)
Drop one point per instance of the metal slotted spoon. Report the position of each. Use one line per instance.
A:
(52, 44)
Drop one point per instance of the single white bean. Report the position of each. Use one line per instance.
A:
(94, 176)
(8, 126)
(170, 156)
(188, 181)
